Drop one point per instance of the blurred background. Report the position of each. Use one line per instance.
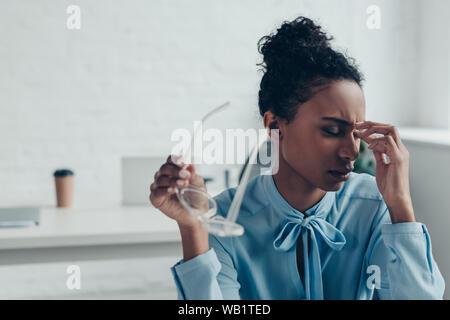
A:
(104, 99)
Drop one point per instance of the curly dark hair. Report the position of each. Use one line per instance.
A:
(297, 61)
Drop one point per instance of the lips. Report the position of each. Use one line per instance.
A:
(341, 174)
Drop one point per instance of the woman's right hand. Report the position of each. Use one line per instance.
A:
(163, 196)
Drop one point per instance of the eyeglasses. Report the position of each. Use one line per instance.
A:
(203, 205)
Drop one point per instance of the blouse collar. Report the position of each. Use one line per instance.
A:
(320, 209)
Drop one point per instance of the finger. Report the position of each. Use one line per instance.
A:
(367, 124)
(159, 195)
(382, 129)
(368, 139)
(172, 170)
(165, 181)
(162, 192)
(380, 159)
(398, 140)
(369, 135)
(386, 128)
(385, 145)
(195, 179)
(379, 145)
(176, 160)
(181, 183)
(191, 169)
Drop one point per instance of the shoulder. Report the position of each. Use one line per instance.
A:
(361, 186)
(253, 201)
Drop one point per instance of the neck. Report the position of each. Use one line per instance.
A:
(295, 189)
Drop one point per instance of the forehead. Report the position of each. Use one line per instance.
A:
(340, 99)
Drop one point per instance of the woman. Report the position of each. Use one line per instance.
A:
(313, 230)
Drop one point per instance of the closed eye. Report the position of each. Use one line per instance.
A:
(333, 131)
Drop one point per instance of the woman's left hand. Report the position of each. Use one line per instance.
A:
(392, 177)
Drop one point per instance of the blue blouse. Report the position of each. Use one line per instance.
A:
(350, 250)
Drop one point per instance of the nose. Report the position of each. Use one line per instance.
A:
(349, 149)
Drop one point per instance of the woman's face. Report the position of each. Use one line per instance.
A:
(319, 143)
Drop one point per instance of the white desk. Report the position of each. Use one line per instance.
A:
(91, 234)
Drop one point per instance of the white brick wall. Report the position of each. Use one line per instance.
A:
(139, 69)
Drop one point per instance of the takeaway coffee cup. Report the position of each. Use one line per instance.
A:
(64, 187)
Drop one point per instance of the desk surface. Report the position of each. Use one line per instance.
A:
(65, 227)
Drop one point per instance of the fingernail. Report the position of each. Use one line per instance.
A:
(178, 160)
(183, 173)
(180, 183)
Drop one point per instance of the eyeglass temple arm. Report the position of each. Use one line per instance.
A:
(239, 195)
(194, 134)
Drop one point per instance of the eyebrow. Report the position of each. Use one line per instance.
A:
(338, 120)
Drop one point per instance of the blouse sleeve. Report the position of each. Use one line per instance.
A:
(403, 254)
(209, 276)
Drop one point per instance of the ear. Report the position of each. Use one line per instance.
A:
(271, 121)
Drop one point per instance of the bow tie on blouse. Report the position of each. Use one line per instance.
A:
(311, 229)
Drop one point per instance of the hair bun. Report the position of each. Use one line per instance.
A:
(299, 39)
(297, 59)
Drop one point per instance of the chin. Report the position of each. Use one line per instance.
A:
(332, 186)
(336, 187)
